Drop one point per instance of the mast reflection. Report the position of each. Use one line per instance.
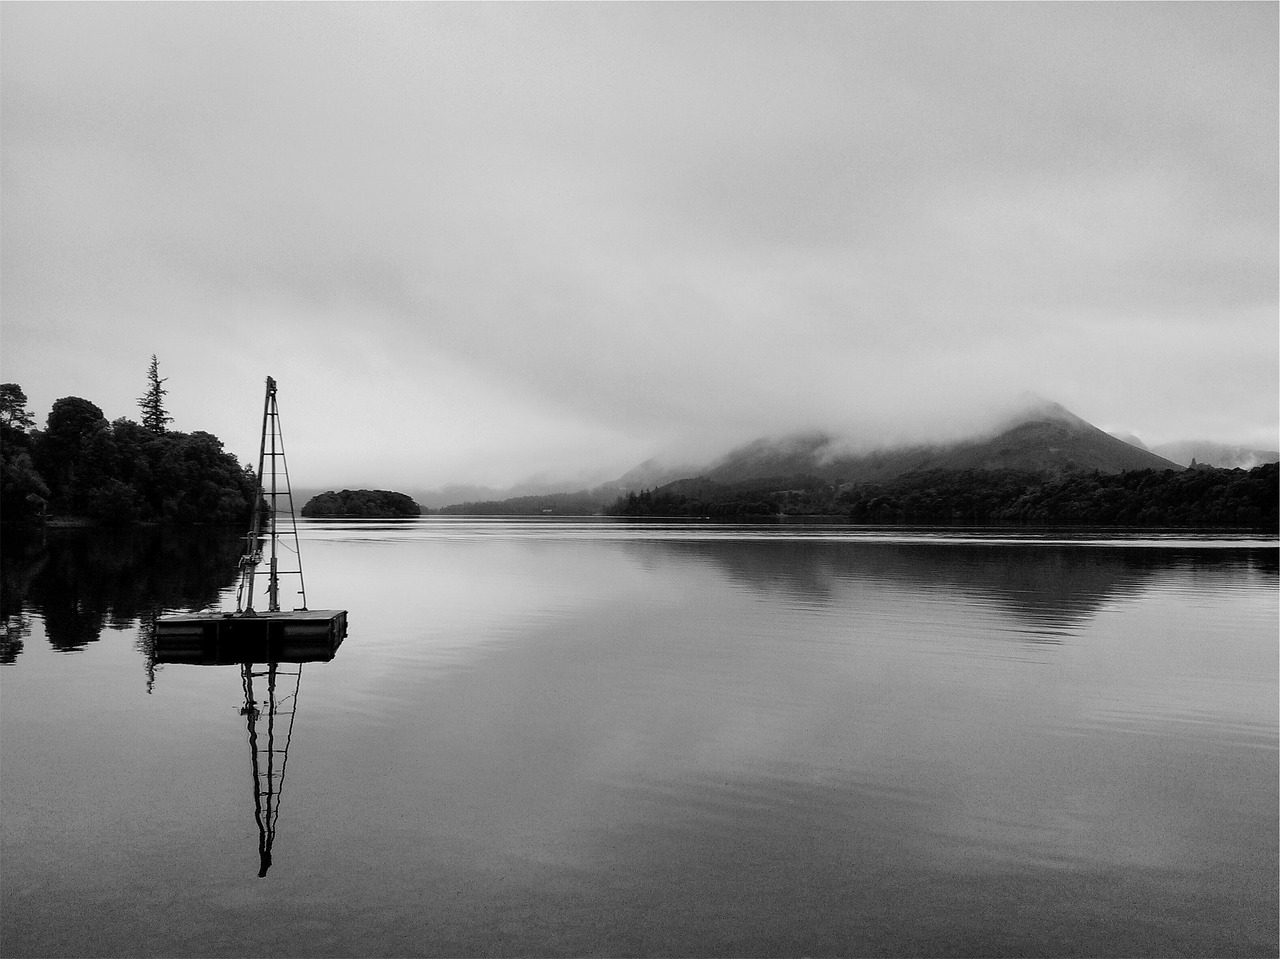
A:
(270, 677)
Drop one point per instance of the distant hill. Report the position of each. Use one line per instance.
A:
(652, 473)
(580, 503)
(1221, 455)
(457, 493)
(1048, 440)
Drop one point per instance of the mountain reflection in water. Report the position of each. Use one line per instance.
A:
(1048, 589)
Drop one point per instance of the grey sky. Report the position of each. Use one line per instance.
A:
(476, 242)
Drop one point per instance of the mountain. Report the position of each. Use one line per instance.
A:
(1048, 439)
(1220, 455)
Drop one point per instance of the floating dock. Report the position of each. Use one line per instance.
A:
(224, 639)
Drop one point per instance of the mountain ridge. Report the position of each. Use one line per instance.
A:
(1049, 440)
(1045, 438)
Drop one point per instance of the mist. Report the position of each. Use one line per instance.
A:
(486, 243)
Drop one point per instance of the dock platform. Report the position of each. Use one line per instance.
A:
(224, 639)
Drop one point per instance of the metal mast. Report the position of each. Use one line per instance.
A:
(269, 749)
(278, 513)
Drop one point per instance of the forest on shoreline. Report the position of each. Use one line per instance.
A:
(1201, 496)
(82, 468)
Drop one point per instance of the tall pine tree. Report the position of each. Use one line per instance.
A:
(154, 415)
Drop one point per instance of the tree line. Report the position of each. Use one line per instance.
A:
(80, 465)
(1202, 496)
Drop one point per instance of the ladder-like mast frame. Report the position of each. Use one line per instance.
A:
(270, 446)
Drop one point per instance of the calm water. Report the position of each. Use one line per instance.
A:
(588, 738)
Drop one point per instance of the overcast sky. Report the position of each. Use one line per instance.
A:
(480, 242)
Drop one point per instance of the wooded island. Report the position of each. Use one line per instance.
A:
(361, 503)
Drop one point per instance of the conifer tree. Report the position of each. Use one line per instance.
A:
(154, 415)
(13, 408)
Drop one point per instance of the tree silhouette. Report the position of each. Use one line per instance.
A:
(23, 492)
(13, 407)
(154, 415)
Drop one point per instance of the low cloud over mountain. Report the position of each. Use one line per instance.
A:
(1044, 438)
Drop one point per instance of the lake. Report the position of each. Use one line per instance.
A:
(590, 737)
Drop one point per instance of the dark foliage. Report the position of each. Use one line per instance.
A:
(368, 503)
(24, 494)
(1198, 497)
(117, 473)
(23, 491)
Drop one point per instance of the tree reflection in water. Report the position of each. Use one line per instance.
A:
(80, 580)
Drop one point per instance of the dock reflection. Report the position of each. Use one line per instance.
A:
(270, 679)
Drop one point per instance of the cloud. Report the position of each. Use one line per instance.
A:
(488, 239)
